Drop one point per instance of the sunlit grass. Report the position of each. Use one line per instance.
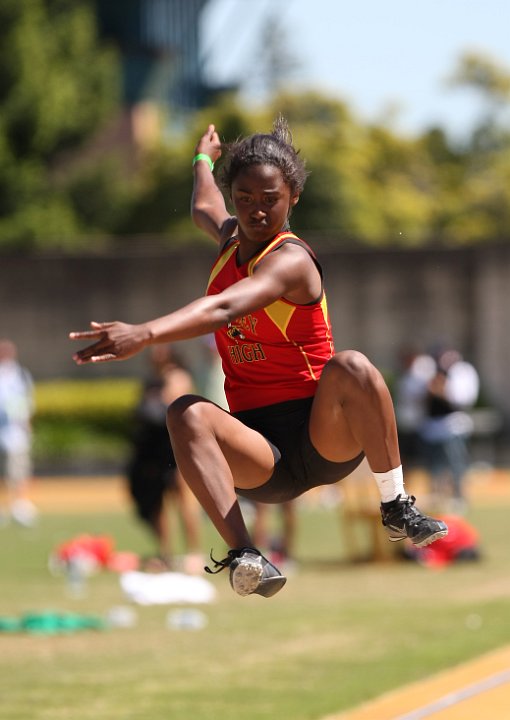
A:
(336, 635)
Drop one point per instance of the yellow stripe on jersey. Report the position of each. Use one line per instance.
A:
(221, 262)
(325, 312)
(281, 314)
(305, 356)
(277, 240)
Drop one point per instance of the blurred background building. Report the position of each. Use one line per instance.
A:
(159, 45)
(162, 62)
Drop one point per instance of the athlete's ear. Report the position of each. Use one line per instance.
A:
(293, 201)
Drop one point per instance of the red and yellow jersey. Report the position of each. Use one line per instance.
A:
(274, 354)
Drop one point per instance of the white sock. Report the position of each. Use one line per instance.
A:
(390, 484)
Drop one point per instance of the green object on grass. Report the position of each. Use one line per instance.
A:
(9, 624)
(50, 623)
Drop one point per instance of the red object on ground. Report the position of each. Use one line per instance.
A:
(97, 547)
(461, 541)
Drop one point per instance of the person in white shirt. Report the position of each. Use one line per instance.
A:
(447, 425)
(16, 410)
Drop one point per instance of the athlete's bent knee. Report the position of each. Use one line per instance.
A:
(352, 362)
(184, 411)
(350, 366)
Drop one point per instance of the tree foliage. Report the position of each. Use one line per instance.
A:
(59, 85)
(480, 200)
(367, 183)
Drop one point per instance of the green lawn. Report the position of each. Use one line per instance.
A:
(335, 636)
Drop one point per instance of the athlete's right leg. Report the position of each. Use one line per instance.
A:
(189, 511)
(215, 453)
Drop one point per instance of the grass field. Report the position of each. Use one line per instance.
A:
(338, 634)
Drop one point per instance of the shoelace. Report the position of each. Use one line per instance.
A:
(409, 512)
(220, 565)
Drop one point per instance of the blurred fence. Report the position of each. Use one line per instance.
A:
(379, 300)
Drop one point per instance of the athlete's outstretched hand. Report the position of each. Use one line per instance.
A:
(114, 341)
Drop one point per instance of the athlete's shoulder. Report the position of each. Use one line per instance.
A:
(288, 237)
(299, 252)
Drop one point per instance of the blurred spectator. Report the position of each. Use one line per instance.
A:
(16, 410)
(152, 474)
(212, 377)
(417, 370)
(447, 426)
(281, 544)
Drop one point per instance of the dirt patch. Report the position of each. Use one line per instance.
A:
(83, 494)
(95, 494)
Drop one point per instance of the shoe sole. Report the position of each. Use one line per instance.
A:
(424, 542)
(270, 586)
(431, 538)
(246, 577)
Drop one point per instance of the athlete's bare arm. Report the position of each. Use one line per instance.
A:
(290, 273)
(208, 208)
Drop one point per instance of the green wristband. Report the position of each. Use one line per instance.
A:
(203, 156)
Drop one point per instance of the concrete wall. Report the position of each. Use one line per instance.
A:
(379, 301)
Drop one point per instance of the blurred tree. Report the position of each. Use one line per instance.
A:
(162, 205)
(478, 204)
(57, 85)
(272, 64)
(367, 183)
(487, 77)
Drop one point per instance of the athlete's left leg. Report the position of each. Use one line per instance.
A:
(352, 412)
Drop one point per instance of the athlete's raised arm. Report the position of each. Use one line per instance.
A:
(208, 208)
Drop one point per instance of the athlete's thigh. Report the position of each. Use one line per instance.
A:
(329, 429)
(249, 455)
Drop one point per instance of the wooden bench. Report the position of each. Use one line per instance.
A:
(364, 534)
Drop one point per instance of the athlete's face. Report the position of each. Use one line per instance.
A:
(262, 202)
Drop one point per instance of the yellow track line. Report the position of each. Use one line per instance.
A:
(469, 691)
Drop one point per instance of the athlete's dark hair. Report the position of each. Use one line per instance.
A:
(274, 148)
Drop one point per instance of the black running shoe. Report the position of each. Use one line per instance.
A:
(403, 520)
(250, 572)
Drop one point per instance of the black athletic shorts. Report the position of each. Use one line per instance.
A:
(298, 465)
